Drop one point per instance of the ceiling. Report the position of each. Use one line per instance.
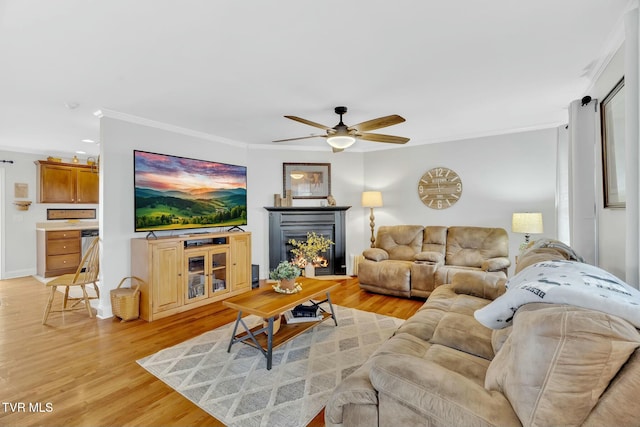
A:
(233, 69)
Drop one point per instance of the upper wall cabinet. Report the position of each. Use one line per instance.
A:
(67, 183)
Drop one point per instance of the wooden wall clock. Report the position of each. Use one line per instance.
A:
(440, 188)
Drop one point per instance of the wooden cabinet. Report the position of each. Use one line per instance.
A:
(184, 272)
(59, 252)
(67, 183)
(241, 262)
(87, 185)
(167, 276)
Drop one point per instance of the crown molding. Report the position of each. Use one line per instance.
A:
(474, 135)
(610, 47)
(379, 147)
(167, 127)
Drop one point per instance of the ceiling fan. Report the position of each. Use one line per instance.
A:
(342, 136)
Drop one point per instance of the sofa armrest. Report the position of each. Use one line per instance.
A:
(429, 257)
(375, 254)
(434, 392)
(353, 392)
(496, 264)
(479, 283)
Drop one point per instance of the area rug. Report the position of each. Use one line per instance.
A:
(238, 390)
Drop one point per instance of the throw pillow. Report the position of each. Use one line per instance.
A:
(563, 282)
(558, 360)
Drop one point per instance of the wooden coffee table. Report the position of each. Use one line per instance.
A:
(269, 304)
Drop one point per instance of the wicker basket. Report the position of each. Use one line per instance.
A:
(125, 302)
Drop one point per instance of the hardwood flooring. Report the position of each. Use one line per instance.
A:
(81, 371)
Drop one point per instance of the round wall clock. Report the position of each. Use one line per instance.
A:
(440, 188)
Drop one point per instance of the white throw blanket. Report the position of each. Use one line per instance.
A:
(563, 282)
(555, 244)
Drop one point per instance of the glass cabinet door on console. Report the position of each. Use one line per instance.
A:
(196, 275)
(219, 272)
(206, 273)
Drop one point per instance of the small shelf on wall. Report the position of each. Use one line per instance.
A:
(22, 205)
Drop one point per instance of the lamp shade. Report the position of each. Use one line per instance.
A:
(527, 222)
(371, 199)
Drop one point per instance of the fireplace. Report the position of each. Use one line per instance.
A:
(287, 223)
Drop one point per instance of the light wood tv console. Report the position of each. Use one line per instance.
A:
(188, 271)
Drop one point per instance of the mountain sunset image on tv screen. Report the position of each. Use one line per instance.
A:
(173, 193)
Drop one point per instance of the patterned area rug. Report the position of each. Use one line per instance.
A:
(237, 389)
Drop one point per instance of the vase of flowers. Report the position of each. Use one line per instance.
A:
(285, 273)
(308, 252)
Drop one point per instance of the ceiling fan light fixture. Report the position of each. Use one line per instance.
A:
(341, 141)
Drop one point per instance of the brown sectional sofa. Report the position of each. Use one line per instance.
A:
(412, 260)
(443, 368)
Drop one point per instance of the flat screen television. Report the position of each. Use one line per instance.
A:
(178, 193)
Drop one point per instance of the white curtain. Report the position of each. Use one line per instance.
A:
(562, 186)
(582, 180)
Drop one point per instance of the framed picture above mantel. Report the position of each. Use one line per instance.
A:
(307, 180)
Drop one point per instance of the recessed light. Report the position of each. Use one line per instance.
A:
(81, 152)
(89, 141)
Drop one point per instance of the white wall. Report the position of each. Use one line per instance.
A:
(496, 184)
(19, 227)
(500, 175)
(265, 179)
(119, 139)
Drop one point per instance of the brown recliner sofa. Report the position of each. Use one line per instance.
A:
(557, 365)
(412, 260)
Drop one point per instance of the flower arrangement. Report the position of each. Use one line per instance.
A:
(284, 270)
(309, 251)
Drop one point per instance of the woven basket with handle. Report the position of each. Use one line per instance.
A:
(125, 302)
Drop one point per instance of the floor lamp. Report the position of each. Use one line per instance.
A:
(372, 199)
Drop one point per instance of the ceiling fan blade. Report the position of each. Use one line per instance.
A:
(378, 123)
(302, 137)
(378, 137)
(308, 122)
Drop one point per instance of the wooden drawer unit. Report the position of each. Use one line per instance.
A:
(59, 252)
(67, 263)
(70, 235)
(63, 246)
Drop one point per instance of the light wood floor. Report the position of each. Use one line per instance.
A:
(78, 371)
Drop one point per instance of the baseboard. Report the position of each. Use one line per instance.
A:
(18, 273)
